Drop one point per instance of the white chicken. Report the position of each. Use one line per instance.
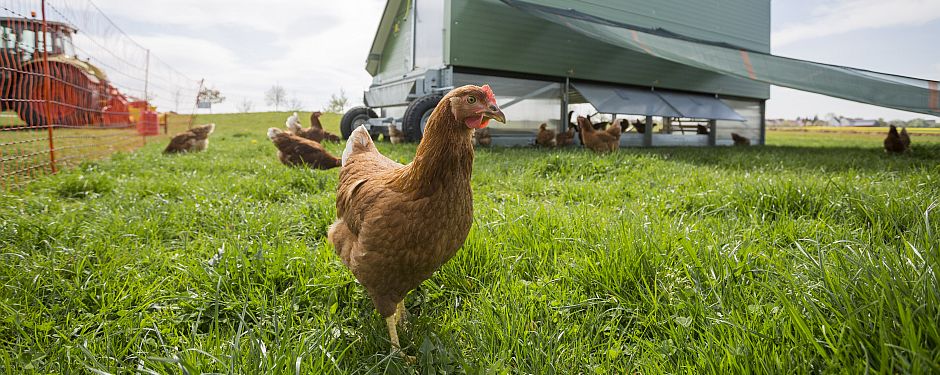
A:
(293, 123)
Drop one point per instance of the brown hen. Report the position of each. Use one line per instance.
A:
(905, 139)
(615, 129)
(314, 133)
(740, 140)
(545, 136)
(396, 225)
(394, 135)
(482, 137)
(565, 138)
(597, 140)
(293, 150)
(893, 142)
(192, 140)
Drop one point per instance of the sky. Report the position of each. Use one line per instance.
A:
(317, 48)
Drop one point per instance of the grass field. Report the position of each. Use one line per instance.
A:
(861, 129)
(817, 253)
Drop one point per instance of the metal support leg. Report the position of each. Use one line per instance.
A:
(648, 132)
(563, 125)
(712, 130)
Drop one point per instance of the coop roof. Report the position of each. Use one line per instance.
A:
(381, 35)
(882, 89)
(634, 101)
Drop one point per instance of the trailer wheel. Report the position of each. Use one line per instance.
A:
(353, 118)
(417, 114)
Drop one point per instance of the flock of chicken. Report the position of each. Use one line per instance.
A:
(398, 224)
(295, 146)
(603, 137)
(600, 137)
(299, 146)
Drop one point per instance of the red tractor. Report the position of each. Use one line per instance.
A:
(79, 93)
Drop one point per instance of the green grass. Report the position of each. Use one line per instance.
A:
(816, 254)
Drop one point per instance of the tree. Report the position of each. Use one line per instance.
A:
(337, 104)
(295, 104)
(276, 96)
(245, 105)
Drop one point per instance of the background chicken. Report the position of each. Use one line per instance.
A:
(740, 140)
(315, 124)
(574, 125)
(314, 133)
(394, 135)
(598, 125)
(545, 136)
(905, 139)
(597, 140)
(893, 142)
(192, 140)
(615, 129)
(295, 150)
(396, 225)
(483, 137)
(640, 126)
(565, 138)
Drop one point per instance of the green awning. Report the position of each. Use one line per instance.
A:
(633, 101)
(881, 89)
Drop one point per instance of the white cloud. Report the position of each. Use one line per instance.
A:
(850, 15)
(269, 16)
(312, 48)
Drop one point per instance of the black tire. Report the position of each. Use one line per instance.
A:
(417, 111)
(353, 118)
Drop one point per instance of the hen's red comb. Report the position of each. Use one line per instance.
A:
(489, 94)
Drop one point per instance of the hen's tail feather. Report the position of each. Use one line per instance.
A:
(293, 123)
(273, 132)
(359, 141)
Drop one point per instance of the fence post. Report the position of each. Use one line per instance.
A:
(147, 79)
(47, 86)
(192, 115)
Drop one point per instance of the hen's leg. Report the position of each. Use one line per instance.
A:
(402, 314)
(393, 336)
(393, 331)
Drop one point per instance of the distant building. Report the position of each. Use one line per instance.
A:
(845, 121)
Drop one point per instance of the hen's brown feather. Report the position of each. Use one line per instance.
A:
(905, 139)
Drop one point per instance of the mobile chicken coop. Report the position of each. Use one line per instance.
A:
(691, 71)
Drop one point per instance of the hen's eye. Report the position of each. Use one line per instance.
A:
(471, 99)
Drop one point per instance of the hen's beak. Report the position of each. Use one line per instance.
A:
(494, 113)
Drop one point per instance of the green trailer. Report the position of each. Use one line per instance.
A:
(673, 62)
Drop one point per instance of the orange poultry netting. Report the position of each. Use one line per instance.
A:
(75, 87)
